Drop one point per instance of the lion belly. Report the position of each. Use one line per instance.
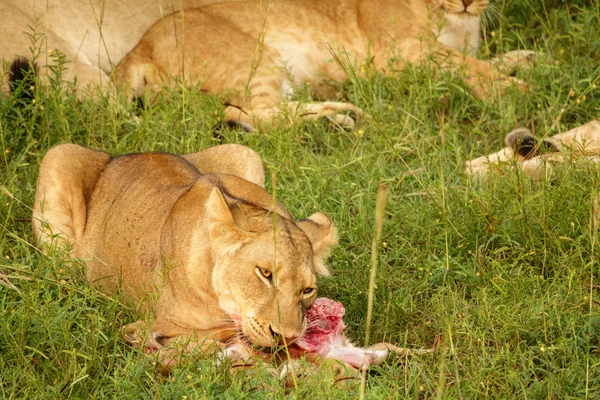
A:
(306, 40)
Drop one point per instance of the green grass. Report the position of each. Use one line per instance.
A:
(504, 270)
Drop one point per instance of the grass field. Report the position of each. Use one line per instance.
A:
(505, 271)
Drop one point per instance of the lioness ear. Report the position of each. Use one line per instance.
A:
(323, 236)
(225, 235)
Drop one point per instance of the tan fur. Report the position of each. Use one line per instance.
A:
(186, 237)
(94, 35)
(582, 142)
(257, 52)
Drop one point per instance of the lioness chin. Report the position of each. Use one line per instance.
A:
(257, 52)
(194, 239)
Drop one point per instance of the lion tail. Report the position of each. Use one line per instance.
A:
(21, 78)
(526, 145)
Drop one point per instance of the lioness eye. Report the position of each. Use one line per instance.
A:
(265, 272)
(308, 291)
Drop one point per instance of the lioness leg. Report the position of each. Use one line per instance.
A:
(511, 61)
(339, 112)
(479, 75)
(231, 159)
(68, 174)
(170, 344)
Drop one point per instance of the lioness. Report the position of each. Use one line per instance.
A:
(93, 35)
(195, 239)
(257, 51)
(536, 157)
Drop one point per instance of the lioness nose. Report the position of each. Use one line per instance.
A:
(467, 3)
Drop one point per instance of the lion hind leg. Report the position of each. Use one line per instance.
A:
(68, 174)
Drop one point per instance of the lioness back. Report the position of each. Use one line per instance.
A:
(133, 197)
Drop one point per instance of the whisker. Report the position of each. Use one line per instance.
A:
(240, 338)
(224, 330)
(220, 320)
(436, 7)
(487, 17)
(222, 323)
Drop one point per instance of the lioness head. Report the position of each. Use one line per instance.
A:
(265, 271)
(460, 22)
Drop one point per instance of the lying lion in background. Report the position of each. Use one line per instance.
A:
(257, 52)
(196, 241)
(93, 35)
(536, 157)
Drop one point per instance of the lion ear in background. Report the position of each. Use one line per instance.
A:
(323, 235)
(21, 78)
(225, 233)
(524, 144)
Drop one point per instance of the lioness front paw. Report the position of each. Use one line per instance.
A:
(485, 89)
(509, 62)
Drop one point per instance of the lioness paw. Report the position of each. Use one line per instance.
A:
(509, 62)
